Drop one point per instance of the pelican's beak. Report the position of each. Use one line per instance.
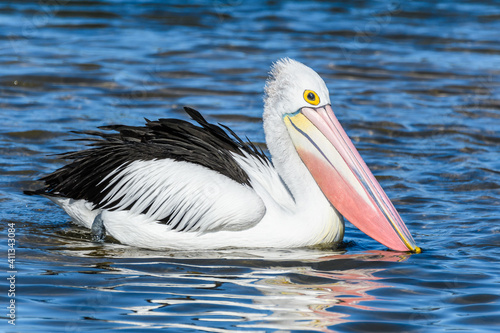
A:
(344, 178)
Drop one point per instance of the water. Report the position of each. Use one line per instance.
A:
(415, 84)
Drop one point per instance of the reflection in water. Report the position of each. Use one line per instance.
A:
(283, 291)
(312, 300)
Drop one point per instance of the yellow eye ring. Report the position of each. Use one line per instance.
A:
(311, 97)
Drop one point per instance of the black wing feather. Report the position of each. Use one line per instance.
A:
(208, 145)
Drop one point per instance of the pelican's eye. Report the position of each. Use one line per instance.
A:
(311, 97)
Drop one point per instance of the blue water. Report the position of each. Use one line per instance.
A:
(415, 84)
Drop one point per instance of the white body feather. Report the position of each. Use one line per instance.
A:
(228, 214)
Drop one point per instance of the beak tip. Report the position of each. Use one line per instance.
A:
(417, 250)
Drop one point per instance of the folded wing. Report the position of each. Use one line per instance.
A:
(176, 173)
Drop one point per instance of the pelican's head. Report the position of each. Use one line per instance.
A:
(292, 86)
(298, 96)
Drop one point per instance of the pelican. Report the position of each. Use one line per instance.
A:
(172, 184)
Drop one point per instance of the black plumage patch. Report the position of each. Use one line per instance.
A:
(208, 145)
